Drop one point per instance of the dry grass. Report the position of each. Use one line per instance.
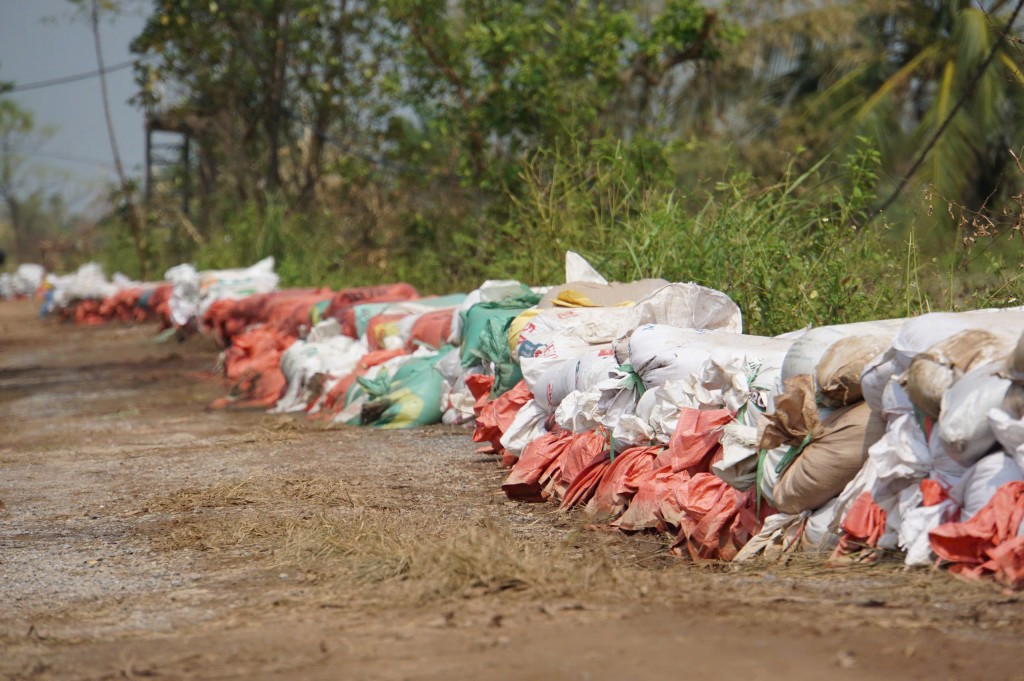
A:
(316, 526)
(316, 491)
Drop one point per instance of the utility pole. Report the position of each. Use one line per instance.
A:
(134, 217)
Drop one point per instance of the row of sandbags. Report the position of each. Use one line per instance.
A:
(897, 435)
(646, 405)
(24, 282)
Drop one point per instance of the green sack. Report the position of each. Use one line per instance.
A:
(411, 398)
(485, 338)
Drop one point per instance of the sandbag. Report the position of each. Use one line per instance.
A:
(981, 481)
(574, 374)
(838, 373)
(485, 338)
(412, 398)
(659, 353)
(814, 353)
(831, 459)
(919, 334)
(964, 430)
(934, 371)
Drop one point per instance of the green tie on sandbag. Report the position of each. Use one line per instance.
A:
(485, 338)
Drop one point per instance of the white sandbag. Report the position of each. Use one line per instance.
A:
(779, 535)
(738, 465)
(1009, 433)
(578, 269)
(806, 353)
(527, 426)
(660, 353)
(981, 481)
(324, 354)
(579, 411)
(964, 428)
(6, 286)
(184, 301)
(901, 458)
(660, 407)
(26, 279)
(818, 534)
(556, 334)
(561, 347)
(583, 373)
(87, 283)
(688, 306)
(917, 523)
(918, 334)
(233, 284)
(934, 371)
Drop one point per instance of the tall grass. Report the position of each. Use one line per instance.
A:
(789, 252)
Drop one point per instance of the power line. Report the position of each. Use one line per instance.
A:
(64, 157)
(72, 78)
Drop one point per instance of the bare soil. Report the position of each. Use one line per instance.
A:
(143, 536)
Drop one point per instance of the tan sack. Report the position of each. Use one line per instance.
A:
(830, 461)
(934, 371)
(839, 370)
(795, 415)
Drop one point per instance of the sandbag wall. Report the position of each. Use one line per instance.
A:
(646, 406)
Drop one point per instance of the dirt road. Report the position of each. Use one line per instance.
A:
(142, 536)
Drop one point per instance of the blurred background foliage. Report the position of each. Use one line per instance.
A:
(744, 145)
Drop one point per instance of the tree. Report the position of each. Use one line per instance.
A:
(499, 79)
(20, 190)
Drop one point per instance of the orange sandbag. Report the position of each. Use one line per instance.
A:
(253, 365)
(291, 315)
(692, 448)
(862, 527)
(694, 443)
(988, 543)
(621, 481)
(714, 519)
(585, 450)
(87, 312)
(431, 329)
(342, 302)
(496, 416)
(644, 510)
(377, 329)
(523, 482)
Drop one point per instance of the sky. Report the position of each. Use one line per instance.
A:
(42, 40)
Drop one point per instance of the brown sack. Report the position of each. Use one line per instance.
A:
(933, 372)
(795, 415)
(830, 461)
(842, 364)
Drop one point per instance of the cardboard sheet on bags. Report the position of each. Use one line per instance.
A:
(601, 295)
